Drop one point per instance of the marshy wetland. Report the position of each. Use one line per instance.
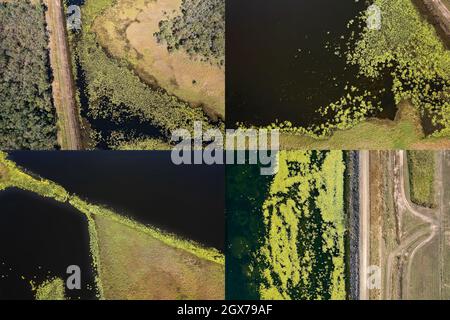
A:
(327, 79)
(135, 86)
(121, 255)
(286, 234)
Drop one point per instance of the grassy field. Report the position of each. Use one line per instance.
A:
(159, 271)
(126, 31)
(133, 261)
(424, 282)
(405, 132)
(421, 175)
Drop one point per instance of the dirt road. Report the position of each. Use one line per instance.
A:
(69, 133)
(364, 245)
(411, 244)
(442, 9)
(440, 15)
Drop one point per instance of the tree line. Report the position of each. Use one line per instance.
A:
(199, 30)
(27, 115)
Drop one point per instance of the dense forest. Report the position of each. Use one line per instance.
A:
(199, 30)
(27, 116)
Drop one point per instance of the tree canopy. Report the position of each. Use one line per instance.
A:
(27, 116)
(199, 30)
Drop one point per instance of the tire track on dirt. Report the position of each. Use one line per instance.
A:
(69, 132)
(427, 215)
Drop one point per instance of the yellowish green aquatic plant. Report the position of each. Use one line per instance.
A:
(52, 289)
(15, 177)
(303, 250)
(407, 49)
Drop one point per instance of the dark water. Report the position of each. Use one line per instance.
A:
(277, 64)
(131, 126)
(187, 200)
(39, 239)
(75, 2)
(246, 192)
